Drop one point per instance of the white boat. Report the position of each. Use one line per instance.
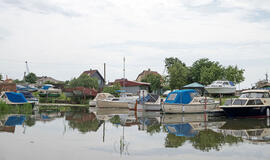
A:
(100, 96)
(150, 103)
(188, 101)
(221, 87)
(121, 102)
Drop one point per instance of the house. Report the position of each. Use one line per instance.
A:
(96, 74)
(44, 79)
(132, 86)
(145, 73)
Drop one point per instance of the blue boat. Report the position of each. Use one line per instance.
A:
(15, 120)
(13, 98)
(185, 130)
(29, 97)
(188, 101)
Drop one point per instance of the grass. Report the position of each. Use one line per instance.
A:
(223, 99)
(15, 109)
(60, 109)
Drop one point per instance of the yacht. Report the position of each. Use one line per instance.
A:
(221, 87)
(188, 101)
(100, 96)
(250, 103)
(117, 102)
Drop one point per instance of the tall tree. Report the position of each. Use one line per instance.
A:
(178, 75)
(232, 73)
(31, 78)
(112, 89)
(196, 68)
(1, 77)
(212, 73)
(155, 81)
(84, 81)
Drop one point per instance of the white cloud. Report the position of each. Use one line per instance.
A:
(62, 38)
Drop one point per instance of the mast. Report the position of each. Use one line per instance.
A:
(124, 74)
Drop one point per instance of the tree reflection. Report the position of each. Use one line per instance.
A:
(173, 141)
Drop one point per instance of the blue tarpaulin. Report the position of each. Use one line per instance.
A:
(46, 86)
(15, 120)
(16, 97)
(181, 130)
(180, 96)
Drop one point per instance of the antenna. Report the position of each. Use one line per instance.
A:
(27, 68)
(266, 76)
(124, 74)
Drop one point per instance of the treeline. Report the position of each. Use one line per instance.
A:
(202, 71)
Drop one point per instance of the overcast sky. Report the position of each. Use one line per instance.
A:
(63, 38)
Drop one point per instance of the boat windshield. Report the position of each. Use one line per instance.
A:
(255, 95)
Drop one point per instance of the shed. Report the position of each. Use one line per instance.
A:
(197, 86)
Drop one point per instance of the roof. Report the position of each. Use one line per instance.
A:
(145, 73)
(180, 96)
(92, 72)
(194, 85)
(130, 83)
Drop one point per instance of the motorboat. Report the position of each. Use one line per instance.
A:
(117, 102)
(221, 87)
(150, 102)
(29, 97)
(250, 103)
(188, 101)
(13, 98)
(100, 96)
(48, 90)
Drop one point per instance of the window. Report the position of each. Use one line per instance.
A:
(172, 97)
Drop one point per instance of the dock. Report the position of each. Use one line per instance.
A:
(62, 105)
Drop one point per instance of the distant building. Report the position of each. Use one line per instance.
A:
(131, 86)
(145, 73)
(96, 74)
(44, 79)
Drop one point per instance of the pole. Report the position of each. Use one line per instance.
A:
(105, 73)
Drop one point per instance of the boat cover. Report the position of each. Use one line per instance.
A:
(27, 94)
(46, 86)
(149, 98)
(231, 83)
(180, 96)
(16, 97)
(181, 130)
(15, 120)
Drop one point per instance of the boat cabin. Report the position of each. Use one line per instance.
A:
(181, 96)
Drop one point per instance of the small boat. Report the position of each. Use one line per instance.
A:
(13, 98)
(188, 101)
(121, 102)
(48, 91)
(100, 96)
(221, 87)
(250, 103)
(29, 97)
(151, 102)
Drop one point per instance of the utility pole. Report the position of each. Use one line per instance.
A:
(105, 73)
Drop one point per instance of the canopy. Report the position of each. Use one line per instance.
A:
(181, 130)
(15, 97)
(180, 96)
(15, 120)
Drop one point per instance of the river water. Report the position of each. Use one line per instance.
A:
(123, 134)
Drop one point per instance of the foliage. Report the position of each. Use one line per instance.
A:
(17, 81)
(112, 89)
(178, 73)
(84, 81)
(153, 128)
(1, 76)
(15, 109)
(203, 71)
(31, 78)
(173, 141)
(155, 81)
(232, 73)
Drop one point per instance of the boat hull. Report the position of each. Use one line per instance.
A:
(217, 90)
(260, 111)
(188, 108)
(145, 107)
(112, 104)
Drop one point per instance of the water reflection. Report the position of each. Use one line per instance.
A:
(124, 132)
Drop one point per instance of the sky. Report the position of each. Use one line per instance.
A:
(63, 38)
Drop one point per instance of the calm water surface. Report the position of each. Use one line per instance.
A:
(122, 134)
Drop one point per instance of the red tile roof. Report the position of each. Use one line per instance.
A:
(130, 83)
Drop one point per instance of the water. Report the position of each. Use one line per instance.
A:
(122, 134)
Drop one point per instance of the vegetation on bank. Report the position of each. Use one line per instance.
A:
(15, 109)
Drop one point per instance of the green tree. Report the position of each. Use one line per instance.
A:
(31, 78)
(212, 73)
(169, 62)
(178, 75)
(155, 81)
(112, 89)
(173, 141)
(232, 73)
(1, 77)
(84, 81)
(196, 68)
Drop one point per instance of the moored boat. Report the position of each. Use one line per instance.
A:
(100, 96)
(13, 98)
(221, 87)
(121, 102)
(188, 101)
(250, 103)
